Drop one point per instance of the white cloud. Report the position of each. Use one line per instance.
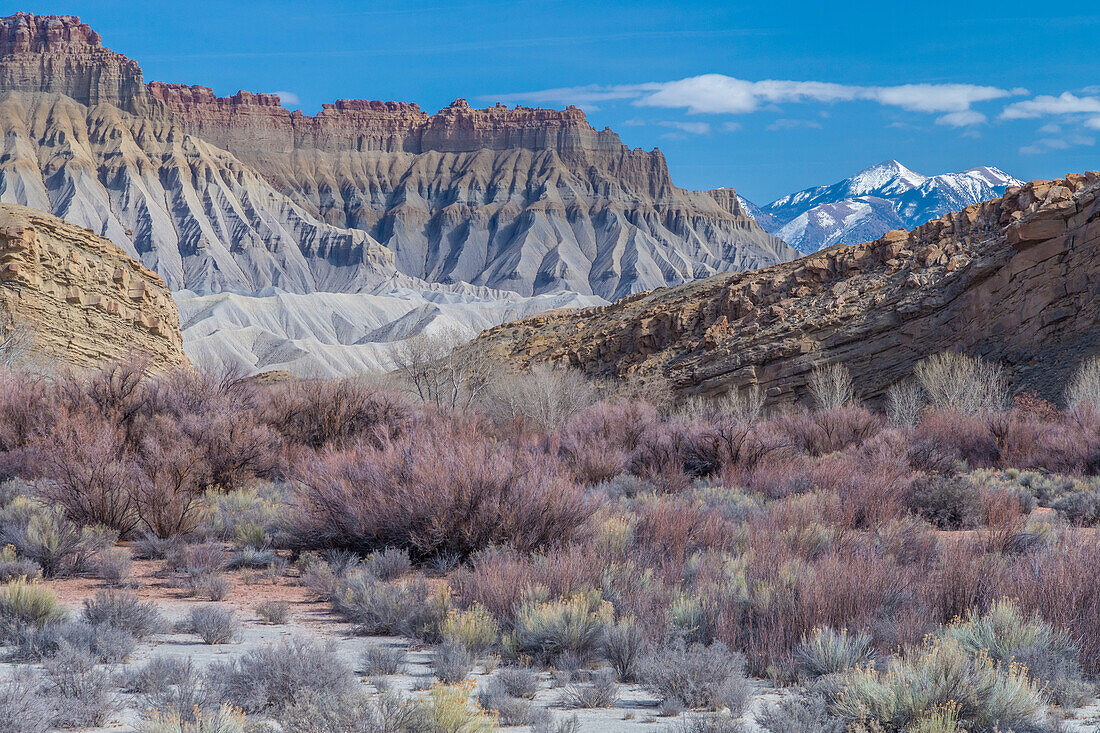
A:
(1051, 129)
(1047, 144)
(785, 124)
(1046, 105)
(289, 98)
(721, 94)
(731, 126)
(693, 128)
(965, 118)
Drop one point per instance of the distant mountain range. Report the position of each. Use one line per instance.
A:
(874, 201)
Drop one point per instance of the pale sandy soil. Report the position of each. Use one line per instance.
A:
(635, 709)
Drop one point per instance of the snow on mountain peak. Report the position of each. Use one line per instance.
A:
(879, 198)
(888, 176)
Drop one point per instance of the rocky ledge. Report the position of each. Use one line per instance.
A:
(77, 298)
(1015, 280)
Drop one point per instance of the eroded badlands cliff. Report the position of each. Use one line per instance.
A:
(1015, 280)
(528, 200)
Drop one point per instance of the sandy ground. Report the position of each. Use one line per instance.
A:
(635, 709)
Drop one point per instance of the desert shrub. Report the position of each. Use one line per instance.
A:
(623, 485)
(449, 707)
(508, 710)
(13, 567)
(830, 430)
(473, 628)
(545, 397)
(543, 721)
(273, 677)
(88, 473)
(940, 677)
(666, 456)
(573, 625)
(23, 709)
(212, 586)
(174, 687)
(27, 603)
(113, 566)
(624, 646)
(80, 693)
(1008, 636)
(598, 441)
(224, 719)
(160, 673)
(379, 659)
(452, 662)
(830, 386)
(250, 557)
(355, 713)
(106, 644)
(954, 381)
(1084, 389)
(318, 413)
(150, 547)
(387, 564)
(697, 676)
(600, 692)
(379, 608)
(196, 560)
(948, 502)
(448, 489)
(517, 682)
(273, 612)
(212, 624)
(244, 516)
(43, 535)
(827, 651)
(799, 714)
(1080, 508)
(960, 437)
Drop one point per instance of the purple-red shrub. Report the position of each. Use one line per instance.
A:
(335, 412)
(959, 436)
(826, 431)
(443, 488)
(597, 443)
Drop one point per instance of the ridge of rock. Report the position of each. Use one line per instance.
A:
(1015, 280)
(81, 299)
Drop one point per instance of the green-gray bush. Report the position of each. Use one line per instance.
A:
(698, 676)
(275, 677)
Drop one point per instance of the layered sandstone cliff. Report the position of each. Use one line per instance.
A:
(78, 298)
(1015, 280)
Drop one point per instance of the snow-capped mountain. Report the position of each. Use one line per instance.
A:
(875, 200)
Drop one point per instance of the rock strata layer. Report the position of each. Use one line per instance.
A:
(1015, 280)
(77, 298)
(521, 199)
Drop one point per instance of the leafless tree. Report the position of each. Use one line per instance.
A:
(960, 382)
(904, 402)
(16, 342)
(1084, 390)
(545, 396)
(831, 386)
(434, 369)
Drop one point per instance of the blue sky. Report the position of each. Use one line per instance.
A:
(767, 97)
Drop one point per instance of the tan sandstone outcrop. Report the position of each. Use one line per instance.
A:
(78, 298)
(1015, 280)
